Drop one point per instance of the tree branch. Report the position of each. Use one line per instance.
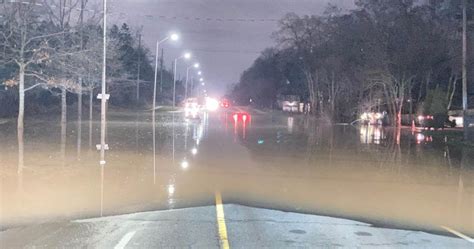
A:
(35, 85)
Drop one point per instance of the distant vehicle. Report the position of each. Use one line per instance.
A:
(372, 118)
(289, 103)
(290, 106)
(191, 108)
(225, 103)
(212, 104)
(437, 121)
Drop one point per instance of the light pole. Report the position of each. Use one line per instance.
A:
(196, 65)
(103, 96)
(173, 37)
(199, 73)
(185, 56)
(103, 106)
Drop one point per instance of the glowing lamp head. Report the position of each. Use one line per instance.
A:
(199, 73)
(201, 79)
(194, 151)
(174, 37)
(196, 65)
(187, 55)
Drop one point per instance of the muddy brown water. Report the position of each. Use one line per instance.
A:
(271, 160)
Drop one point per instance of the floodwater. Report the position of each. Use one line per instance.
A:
(274, 161)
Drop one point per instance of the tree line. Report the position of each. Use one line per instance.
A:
(51, 56)
(398, 56)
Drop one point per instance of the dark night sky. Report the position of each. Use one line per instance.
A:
(225, 48)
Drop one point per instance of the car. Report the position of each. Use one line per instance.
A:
(191, 108)
(436, 121)
(224, 103)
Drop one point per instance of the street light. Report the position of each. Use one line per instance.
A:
(172, 37)
(186, 56)
(195, 65)
(199, 73)
(103, 95)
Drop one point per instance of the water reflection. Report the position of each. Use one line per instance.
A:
(79, 127)
(371, 134)
(171, 193)
(290, 124)
(422, 139)
(173, 137)
(184, 164)
(63, 139)
(153, 124)
(102, 173)
(21, 158)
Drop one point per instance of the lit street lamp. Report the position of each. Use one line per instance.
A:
(186, 56)
(173, 37)
(196, 65)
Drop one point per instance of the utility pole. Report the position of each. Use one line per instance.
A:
(139, 64)
(192, 86)
(174, 82)
(464, 68)
(79, 95)
(103, 96)
(161, 70)
(186, 84)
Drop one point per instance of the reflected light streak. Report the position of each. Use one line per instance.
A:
(290, 124)
(370, 134)
(235, 127)
(171, 190)
(184, 164)
(244, 126)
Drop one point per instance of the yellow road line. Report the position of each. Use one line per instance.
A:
(459, 234)
(224, 241)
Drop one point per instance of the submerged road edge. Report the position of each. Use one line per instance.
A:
(459, 234)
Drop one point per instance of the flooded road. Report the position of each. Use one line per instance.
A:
(273, 161)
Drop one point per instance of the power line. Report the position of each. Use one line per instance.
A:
(206, 50)
(161, 17)
(43, 3)
(210, 19)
